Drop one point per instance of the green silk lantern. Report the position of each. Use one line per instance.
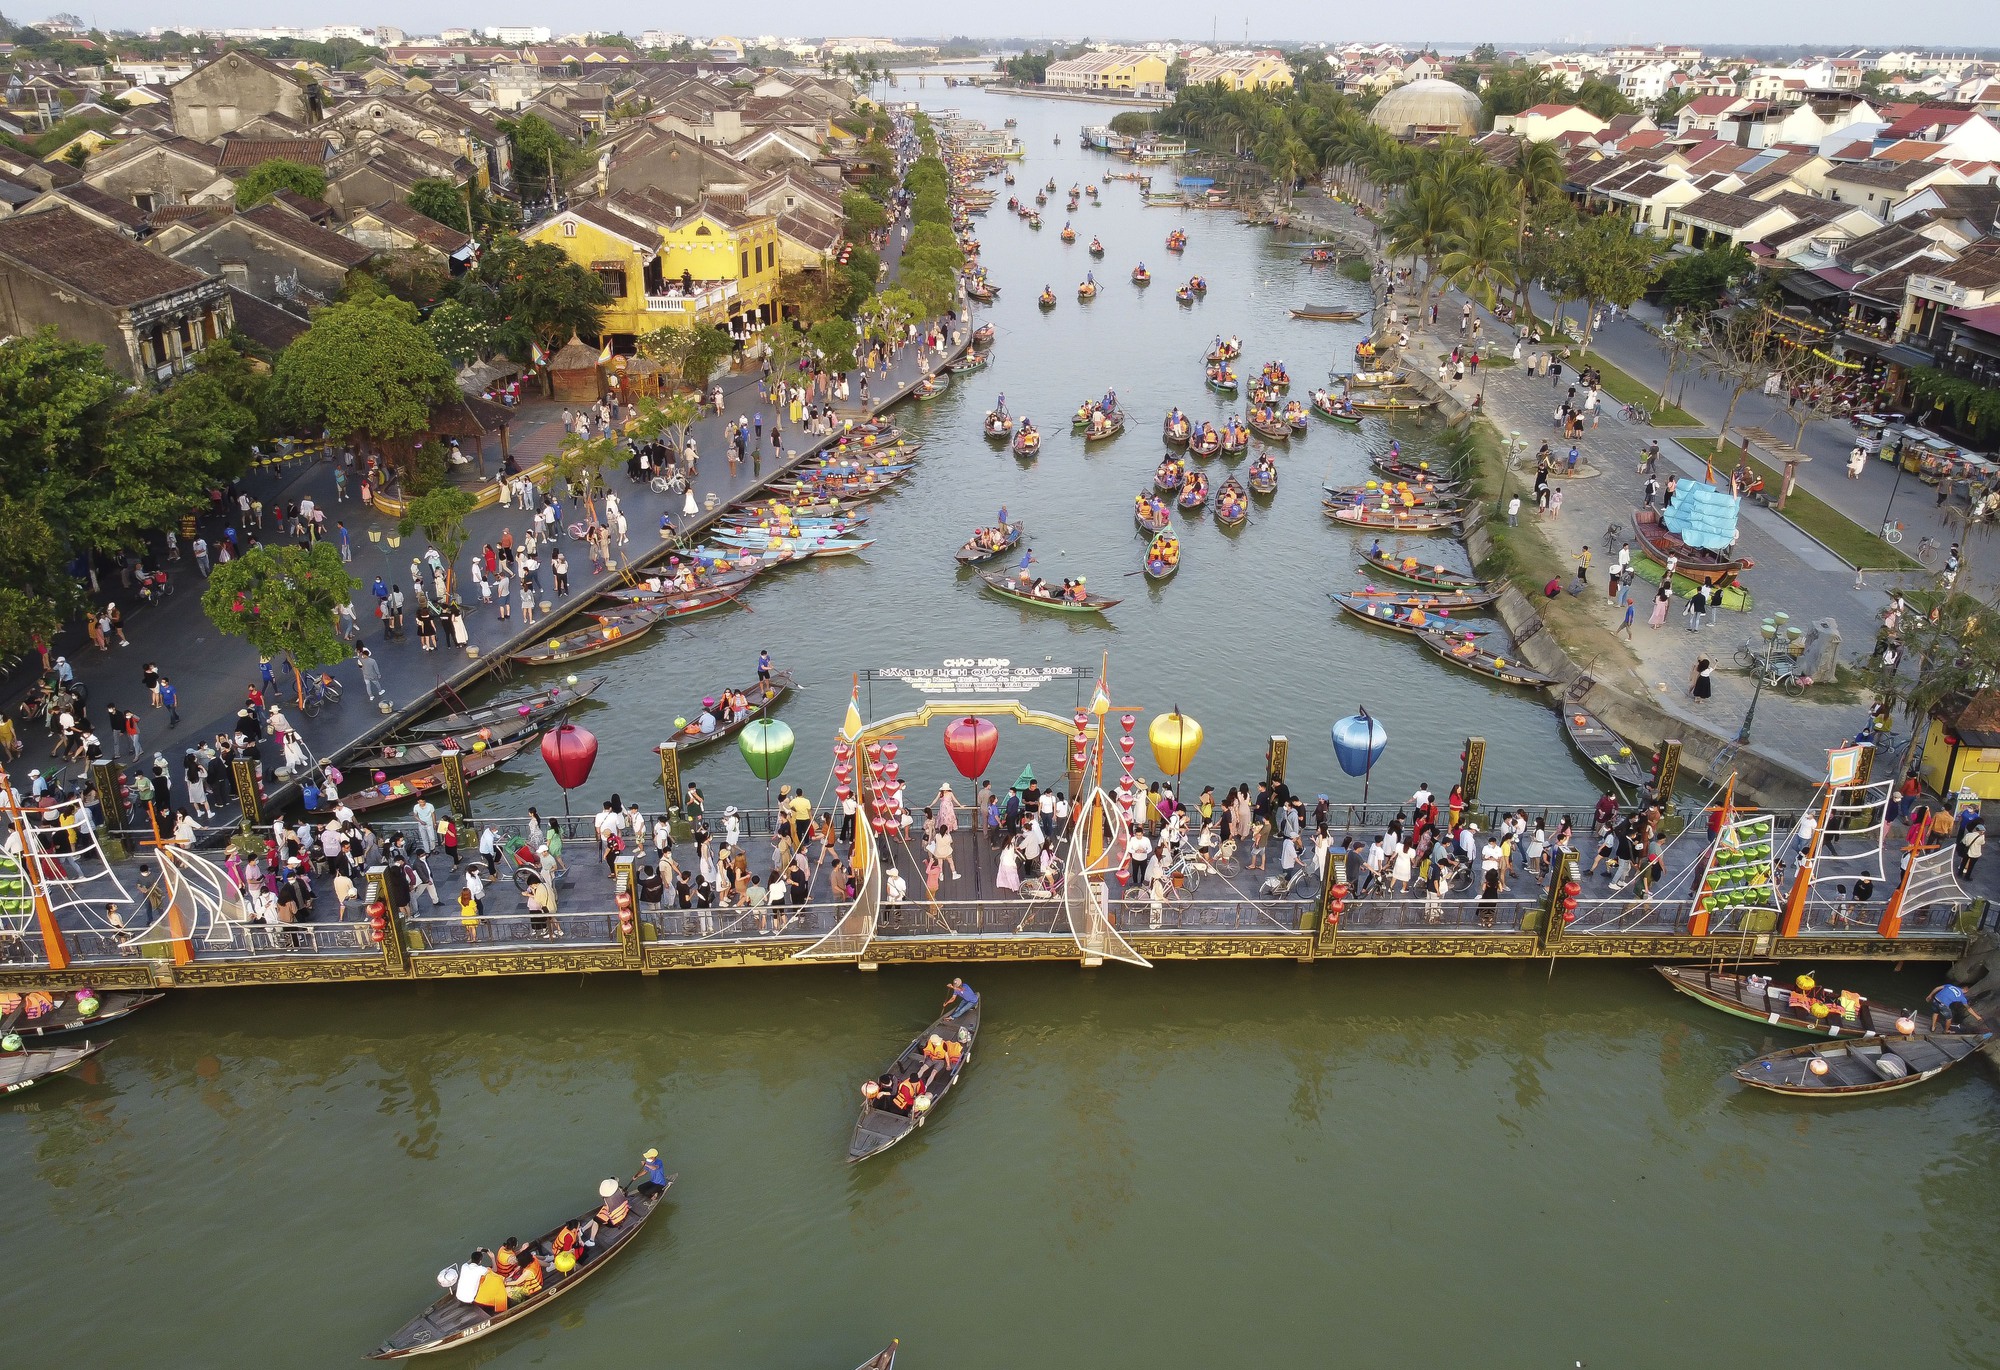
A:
(766, 745)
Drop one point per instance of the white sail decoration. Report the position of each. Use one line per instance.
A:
(1086, 890)
(848, 939)
(56, 850)
(1850, 850)
(1933, 882)
(208, 897)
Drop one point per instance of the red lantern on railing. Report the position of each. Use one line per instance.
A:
(1570, 890)
(569, 752)
(970, 742)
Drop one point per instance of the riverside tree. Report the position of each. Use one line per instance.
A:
(367, 370)
(283, 601)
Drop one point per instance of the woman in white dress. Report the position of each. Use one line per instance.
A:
(1009, 875)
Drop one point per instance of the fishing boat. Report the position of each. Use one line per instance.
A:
(1696, 563)
(931, 386)
(579, 643)
(1170, 475)
(1027, 443)
(1205, 443)
(1388, 378)
(1163, 556)
(1111, 429)
(1327, 407)
(517, 705)
(1270, 427)
(39, 1013)
(997, 425)
(1408, 568)
(1392, 613)
(1177, 435)
(1047, 299)
(1263, 476)
(1141, 276)
(1019, 587)
(1761, 999)
(450, 1323)
(1096, 248)
(1194, 492)
(406, 788)
(1149, 513)
(1394, 520)
(1389, 404)
(1460, 649)
(1870, 1065)
(1232, 505)
(1318, 315)
(880, 1126)
(1470, 599)
(405, 756)
(759, 699)
(974, 552)
(1605, 749)
(21, 1070)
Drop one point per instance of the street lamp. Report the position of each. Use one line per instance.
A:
(1777, 633)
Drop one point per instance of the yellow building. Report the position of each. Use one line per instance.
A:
(664, 266)
(1127, 71)
(1962, 747)
(1240, 70)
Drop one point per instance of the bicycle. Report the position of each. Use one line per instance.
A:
(1637, 413)
(1927, 552)
(582, 532)
(317, 691)
(670, 484)
(1892, 532)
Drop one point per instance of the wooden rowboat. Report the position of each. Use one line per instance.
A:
(883, 1360)
(1273, 429)
(1400, 520)
(1696, 563)
(1159, 566)
(1323, 405)
(405, 756)
(761, 698)
(1235, 442)
(1047, 299)
(1110, 430)
(448, 1323)
(971, 361)
(1759, 999)
(1221, 387)
(1605, 749)
(60, 1013)
(1416, 573)
(21, 1070)
(996, 425)
(879, 1125)
(1170, 475)
(519, 704)
(1143, 516)
(982, 336)
(1205, 445)
(1414, 471)
(1390, 405)
(1231, 513)
(931, 386)
(1263, 479)
(1194, 492)
(972, 553)
(1315, 315)
(1376, 594)
(1872, 1065)
(585, 642)
(1482, 662)
(1392, 613)
(407, 789)
(1014, 590)
(1374, 380)
(1027, 444)
(1177, 437)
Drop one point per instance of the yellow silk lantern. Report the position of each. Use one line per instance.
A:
(1175, 738)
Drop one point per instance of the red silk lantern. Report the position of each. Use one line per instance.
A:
(1129, 721)
(970, 742)
(570, 752)
(1082, 720)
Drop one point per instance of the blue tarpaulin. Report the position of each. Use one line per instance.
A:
(1703, 515)
(1198, 182)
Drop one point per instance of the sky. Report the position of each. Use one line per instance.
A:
(1526, 23)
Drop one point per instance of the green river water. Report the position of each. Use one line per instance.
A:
(1258, 1165)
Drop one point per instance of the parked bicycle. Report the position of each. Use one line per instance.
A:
(673, 483)
(318, 691)
(1928, 551)
(1637, 413)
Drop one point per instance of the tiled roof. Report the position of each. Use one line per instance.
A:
(270, 327)
(601, 215)
(241, 154)
(1720, 207)
(1883, 175)
(301, 233)
(422, 227)
(97, 263)
(105, 205)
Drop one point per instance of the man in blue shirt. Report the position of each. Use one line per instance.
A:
(653, 1172)
(763, 665)
(1948, 1001)
(963, 999)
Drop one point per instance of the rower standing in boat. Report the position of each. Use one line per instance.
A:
(962, 996)
(653, 1173)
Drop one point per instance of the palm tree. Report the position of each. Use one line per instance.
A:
(1536, 172)
(1423, 222)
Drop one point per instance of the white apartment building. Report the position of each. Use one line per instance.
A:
(516, 35)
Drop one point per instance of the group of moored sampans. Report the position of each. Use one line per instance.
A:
(908, 1090)
(495, 1280)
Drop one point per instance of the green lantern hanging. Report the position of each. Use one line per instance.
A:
(766, 745)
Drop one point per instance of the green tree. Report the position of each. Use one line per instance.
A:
(862, 214)
(460, 334)
(1602, 99)
(1699, 279)
(579, 463)
(367, 369)
(532, 293)
(1952, 640)
(540, 153)
(1422, 223)
(443, 200)
(282, 601)
(441, 514)
(835, 340)
(1613, 265)
(267, 178)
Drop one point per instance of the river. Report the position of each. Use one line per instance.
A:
(1360, 1164)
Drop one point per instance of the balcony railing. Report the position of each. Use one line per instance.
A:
(704, 298)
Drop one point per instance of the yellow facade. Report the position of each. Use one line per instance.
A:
(733, 268)
(1135, 74)
(1261, 71)
(1946, 769)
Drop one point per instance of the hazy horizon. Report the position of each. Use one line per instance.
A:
(1456, 23)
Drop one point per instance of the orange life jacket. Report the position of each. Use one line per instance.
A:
(492, 1292)
(906, 1095)
(525, 1280)
(566, 1240)
(614, 1211)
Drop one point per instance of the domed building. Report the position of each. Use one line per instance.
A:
(1427, 109)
